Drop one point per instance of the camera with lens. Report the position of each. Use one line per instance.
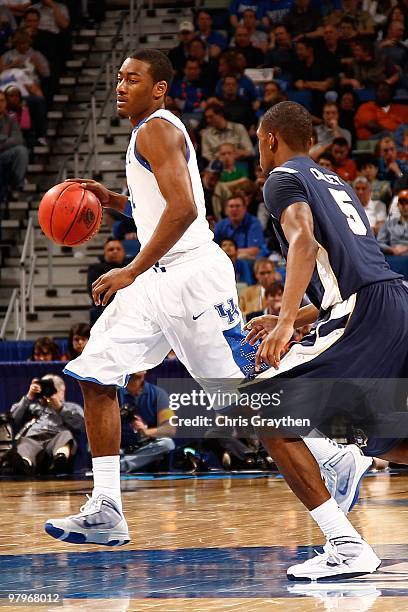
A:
(127, 412)
(47, 388)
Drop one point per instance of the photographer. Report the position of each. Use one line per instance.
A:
(48, 424)
(146, 431)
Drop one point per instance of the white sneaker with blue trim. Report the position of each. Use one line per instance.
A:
(99, 521)
(342, 558)
(343, 474)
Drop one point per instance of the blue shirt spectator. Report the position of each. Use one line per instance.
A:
(243, 228)
(237, 7)
(242, 267)
(189, 92)
(207, 34)
(246, 88)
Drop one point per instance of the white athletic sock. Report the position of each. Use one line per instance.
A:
(321, 448)
(106, 473)
(333, 522)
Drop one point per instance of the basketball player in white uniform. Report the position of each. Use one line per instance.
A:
(178, 293)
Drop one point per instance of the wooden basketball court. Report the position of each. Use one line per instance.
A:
(211, 543)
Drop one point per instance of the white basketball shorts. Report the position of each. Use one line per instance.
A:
(190, 306)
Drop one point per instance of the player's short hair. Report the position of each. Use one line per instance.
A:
(161, 68)
(292, 121)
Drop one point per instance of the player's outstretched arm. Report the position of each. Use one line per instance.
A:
(108, 198)
(297, 224)
(259, 327)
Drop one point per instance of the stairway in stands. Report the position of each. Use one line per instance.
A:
(55, 314)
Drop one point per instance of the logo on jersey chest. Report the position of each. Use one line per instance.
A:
(228, 310)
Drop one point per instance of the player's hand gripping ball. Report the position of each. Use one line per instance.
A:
(69, 214)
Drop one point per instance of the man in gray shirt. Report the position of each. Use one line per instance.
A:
(49, 426)
(393, 235)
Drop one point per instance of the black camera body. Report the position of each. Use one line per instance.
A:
(47, 388)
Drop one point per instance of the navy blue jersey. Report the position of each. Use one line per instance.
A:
(349, 257)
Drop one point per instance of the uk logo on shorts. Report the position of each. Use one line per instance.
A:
(228, 310)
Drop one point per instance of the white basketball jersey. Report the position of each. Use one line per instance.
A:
(148, 202)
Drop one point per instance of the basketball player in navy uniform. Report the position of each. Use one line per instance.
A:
(179, 292)
(359, 309)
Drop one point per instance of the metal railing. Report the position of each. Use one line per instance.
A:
(22, 299)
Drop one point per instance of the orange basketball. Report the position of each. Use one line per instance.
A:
(69, 214)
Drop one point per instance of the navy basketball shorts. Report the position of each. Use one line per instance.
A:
(353, 365)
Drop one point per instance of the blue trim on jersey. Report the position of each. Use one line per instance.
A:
(127, 212)
(141, 159)
(242, 352)
(90, 379)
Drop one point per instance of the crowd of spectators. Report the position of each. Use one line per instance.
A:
(346, 61)
(35, 43)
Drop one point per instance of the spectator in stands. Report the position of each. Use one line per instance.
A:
(242, 267)
(209, 67)
(272, 94)
(146, 431)
(6, 30)
(242, 43)
(382, 115)
(13, 153)
(312, 74)
(348, 32)
(390, 167)
(32, 64)
(244, 228)
(18, 110)
(252, 299)
(220, 130)
(237, 108)
(375, 210)
(232, 173)
(233, 63)
(367, 70)
(330, 129)
(189, 92)
(363, 22)
(179, 54)
(29, 71)
(368, 167)
(281, 55)
(338, 51)
(210, 177)
(54, 16)
(392, 47)
(343, 164)
(276, 11)
(273, 302)
(45, 349)
(77, 339)
(303, 19)
(326, 160)
(215, 41)
(393, 236)
(348, 104)
(113, 257)
(237, 8)
(40, 41)
(257, 36)
(51, 429)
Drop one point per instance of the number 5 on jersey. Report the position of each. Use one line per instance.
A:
(356, 224)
